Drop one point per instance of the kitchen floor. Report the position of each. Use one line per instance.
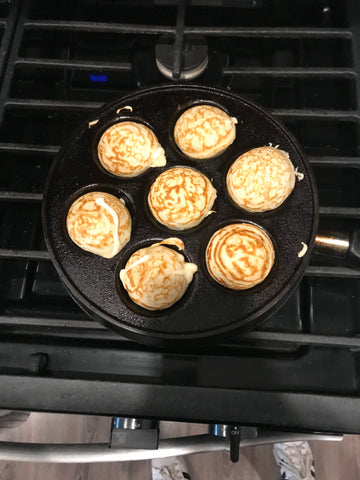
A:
(333, 460)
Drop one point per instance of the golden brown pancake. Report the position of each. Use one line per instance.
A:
(261, 179)
(99, 223)
(127, 149)
(239, 256)
(204, 131)
(181, 198)
(156, 277)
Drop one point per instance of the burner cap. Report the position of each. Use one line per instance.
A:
(194, 56)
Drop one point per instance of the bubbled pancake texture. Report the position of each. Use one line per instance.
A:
(261, 179)
(239, 256)
(99, 229)
(128, 149)
(156, 277)
(181, 198)
(204, 131)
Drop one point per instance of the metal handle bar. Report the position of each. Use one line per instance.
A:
(100, 452)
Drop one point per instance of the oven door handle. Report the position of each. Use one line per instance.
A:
(101, 452)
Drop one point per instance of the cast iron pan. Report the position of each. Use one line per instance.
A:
(208, 311)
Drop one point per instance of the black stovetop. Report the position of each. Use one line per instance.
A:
(301, 60)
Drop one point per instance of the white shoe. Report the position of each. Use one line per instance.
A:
(170, 468)
(295, 460)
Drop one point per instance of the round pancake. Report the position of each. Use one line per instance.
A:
(128, 149)
(156, 277)
(261, 179)
(204, 131)
(181, 197)
(239, 256)
(99, 223)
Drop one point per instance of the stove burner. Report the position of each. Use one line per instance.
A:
(146, 73)
(194, 56)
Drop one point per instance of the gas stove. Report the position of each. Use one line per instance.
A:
(58, 63)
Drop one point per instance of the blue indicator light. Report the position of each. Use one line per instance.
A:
(98, 77)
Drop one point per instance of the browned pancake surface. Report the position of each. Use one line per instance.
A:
(181, 198)
(99, 223)
(240, 256)
(127, 149)
(156, 277)
(261, 179)
(204, 131)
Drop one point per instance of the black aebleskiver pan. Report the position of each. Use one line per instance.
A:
(207, 312)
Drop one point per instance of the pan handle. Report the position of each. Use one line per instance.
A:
(339, 245)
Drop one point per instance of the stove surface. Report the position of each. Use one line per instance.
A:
(58, 63)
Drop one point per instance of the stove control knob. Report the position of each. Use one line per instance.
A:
(134, 433)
